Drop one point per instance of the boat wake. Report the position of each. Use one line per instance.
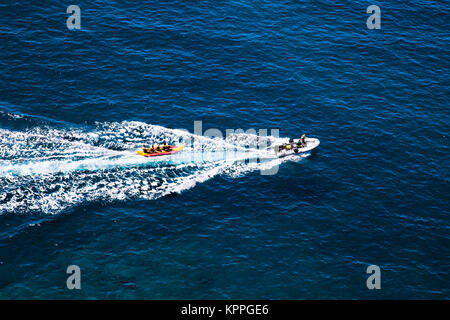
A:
(49, 168)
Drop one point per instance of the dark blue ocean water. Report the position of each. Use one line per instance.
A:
(75, 106)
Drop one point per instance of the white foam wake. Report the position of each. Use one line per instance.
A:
(48, 170)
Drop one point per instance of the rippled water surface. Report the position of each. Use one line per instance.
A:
(208, 222)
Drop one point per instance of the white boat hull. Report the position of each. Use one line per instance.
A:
(311, 143)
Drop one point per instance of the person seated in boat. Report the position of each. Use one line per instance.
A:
(154, 149)
(146, 149)
(284, 146)
(302, 141)
(166, 147)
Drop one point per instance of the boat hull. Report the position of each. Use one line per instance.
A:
(173, 150)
